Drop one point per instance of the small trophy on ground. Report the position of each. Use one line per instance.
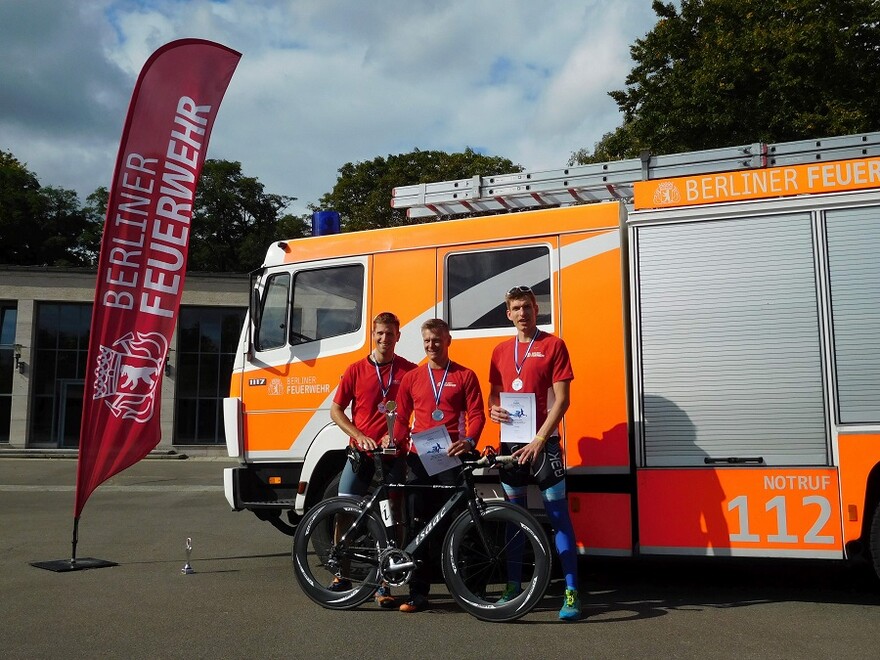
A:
(187, 568)
(390, 418)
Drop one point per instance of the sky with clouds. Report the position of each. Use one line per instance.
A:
(321, 82)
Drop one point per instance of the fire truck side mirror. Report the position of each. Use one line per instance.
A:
(254, 312)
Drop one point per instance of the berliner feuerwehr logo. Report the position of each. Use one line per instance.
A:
(666, 193)
(128, 372)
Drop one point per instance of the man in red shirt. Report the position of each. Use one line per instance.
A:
(535, 362)
(440, 392)
(368, 385)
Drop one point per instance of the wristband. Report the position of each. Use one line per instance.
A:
(471, 442)
(541, 438)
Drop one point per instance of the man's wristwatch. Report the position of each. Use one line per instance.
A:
(471, 442)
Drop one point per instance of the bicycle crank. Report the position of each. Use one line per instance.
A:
(396, 566)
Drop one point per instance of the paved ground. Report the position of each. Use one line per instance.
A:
(243, 602)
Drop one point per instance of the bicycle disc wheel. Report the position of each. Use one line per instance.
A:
(477, 571)
(318, 561)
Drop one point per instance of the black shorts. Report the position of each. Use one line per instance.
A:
(547, 471)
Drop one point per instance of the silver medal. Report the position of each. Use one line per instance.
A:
(517, 383)
(437, 415)
(381, 407)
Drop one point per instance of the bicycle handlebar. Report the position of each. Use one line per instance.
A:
(490, 460)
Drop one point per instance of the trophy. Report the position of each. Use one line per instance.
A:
(187, 569)
(390, 418)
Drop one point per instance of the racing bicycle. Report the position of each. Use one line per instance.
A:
(487, 546)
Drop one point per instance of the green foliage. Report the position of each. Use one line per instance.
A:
(37, 225)
(294, 226)
(234, 220)
(727, 72)
(362, 194)
(613, 146)
(63, 222)
(88, 245)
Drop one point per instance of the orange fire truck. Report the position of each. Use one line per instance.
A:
(721, 308)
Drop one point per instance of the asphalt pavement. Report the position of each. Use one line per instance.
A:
(242, 601)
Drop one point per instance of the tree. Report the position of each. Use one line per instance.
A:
(362, 194)
(294, 226)
(38, 226)
(20, 203)
(62, 223)
(234, 220)
(728, 72)
(88, 246)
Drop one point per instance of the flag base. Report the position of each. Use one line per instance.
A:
(64, 565)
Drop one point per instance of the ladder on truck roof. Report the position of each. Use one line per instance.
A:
(614, 180)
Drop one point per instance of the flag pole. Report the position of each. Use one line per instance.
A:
(73, 564)
(74, 540)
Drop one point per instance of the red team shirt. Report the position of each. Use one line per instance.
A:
(359, 386)
(547, 363)
(461, 401)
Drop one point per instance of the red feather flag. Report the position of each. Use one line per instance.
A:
(143, 254)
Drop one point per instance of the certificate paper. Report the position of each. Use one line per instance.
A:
(521, 427)
(431, 446)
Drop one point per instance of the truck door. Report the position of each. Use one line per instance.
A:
(312, 325)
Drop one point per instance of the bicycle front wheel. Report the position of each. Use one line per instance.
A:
(498, 567)
(319, 561)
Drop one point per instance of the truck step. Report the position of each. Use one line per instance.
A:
(274, 504)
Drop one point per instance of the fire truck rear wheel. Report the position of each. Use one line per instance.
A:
(874, 541)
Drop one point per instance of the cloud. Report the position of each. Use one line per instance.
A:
(321, 82)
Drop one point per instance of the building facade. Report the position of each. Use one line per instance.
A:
(45, 315)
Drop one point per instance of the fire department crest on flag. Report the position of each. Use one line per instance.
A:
(127, 374)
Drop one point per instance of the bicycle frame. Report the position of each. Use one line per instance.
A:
(463, 491)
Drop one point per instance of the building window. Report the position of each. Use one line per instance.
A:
(8, 316)
(207, 340)
(59, 365)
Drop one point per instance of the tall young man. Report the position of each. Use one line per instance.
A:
(440, 392)
(538, 363)
(368, 385)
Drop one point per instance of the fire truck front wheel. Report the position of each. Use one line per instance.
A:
(284, 521)
(332, 487)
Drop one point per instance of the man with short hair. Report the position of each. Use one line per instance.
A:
(538, 363)
(440, 392)
(368, 385)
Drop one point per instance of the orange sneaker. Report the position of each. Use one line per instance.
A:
(414, 604)
(383, 597)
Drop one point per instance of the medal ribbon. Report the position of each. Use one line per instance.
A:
(516, 363)
(438, 391)
(384, 389)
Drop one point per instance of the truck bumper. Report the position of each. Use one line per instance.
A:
(261, 486)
